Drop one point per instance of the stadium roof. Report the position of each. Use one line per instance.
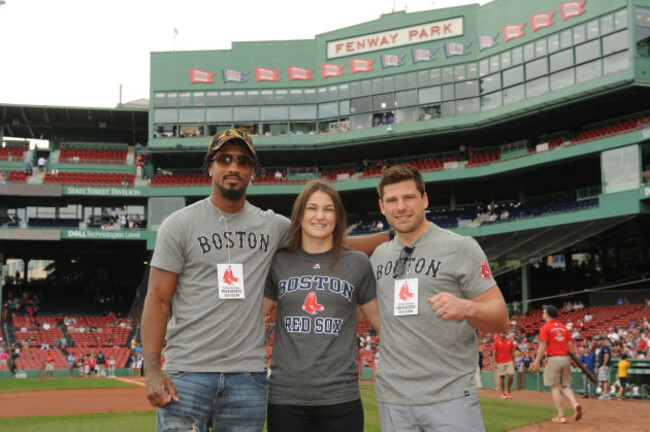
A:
(124, 124)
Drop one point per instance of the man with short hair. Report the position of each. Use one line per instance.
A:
(435, 289)
(504, 356)
(554, 340)
(604, 365)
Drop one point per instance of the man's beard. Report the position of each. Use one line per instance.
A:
(232, 194)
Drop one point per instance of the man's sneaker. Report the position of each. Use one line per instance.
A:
(509, 395)
(604, 397)
(504, 396)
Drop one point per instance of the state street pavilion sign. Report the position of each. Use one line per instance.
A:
(395, 38)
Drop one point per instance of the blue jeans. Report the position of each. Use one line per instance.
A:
(589, 387)
(227, 402)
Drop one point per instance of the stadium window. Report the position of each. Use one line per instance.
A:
(459, 72)
(484, 67)
(513, 94)
(587, 51)
(616, 42)
(448, 109)
(537, 87)
(472, 71)
(513, 76)
(172, 99)
(466, 89)
(159, 100)
(589, 71)
(322, 94)
(295, 96)
(185, 99)
(540, 48)
(561, 60)
(344, 91)
(302, 112)
(553, 43)
(252, 97)
(529, 51)
(494, 64)
(266, 97)
(198, 98)
(406, 98)
(309, 96)
(333, 93)
(388, 84)
(225, 98)
(355, 89)
(606, 24)
(429, 95)
(330, 109)
(219, 115)
(281, 96)
(411, 80)
(400, 82)
(592, 29)
(490, 101)
(239, 97)
(278, 112)
(616, 63)
(407, 115)
(382, 102)
(212, 98)
(642, 22)
(566, 39)
(423, 78)
(344, 107)
(517, 56)
(447, 92)
(467, 106)
(365, 88)
(165, 115)
(562, 79)
(579, 34)
(505, 60)
(447, 75)
(490, 84)
(620, 19)
(536, 69)
(191, 115)
(360, 121)
(377, 86)
(246, 114)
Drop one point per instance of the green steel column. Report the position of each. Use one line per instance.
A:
(525, 287)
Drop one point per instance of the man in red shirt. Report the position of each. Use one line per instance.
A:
(554, 340)
(49, 364)
(503, 353)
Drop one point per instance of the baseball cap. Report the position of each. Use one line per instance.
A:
(229, 135)
(550, 310)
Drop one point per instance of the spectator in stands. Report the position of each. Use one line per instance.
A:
(49, 363)
(526, 360)
(224, 329)
(28, 168)
(554, 342)
(101, 363)
(3, 177)
(41, 164)
(504, 353)
(111, 367)
(71, 364)
(429, 343)
(380, 225)
(278, 176)
(604, 364)
(588, 358)
(139, 172)
(373, 226)
(315, 384)
(54, 173)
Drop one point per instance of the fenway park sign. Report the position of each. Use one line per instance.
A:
(395, 38)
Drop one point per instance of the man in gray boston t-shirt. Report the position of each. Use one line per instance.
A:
(208, 269)
(435, 289)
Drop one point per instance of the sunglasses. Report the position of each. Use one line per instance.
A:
(400, 265)
(226, 159)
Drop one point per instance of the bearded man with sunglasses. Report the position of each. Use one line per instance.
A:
(205, 292)
(435, 290)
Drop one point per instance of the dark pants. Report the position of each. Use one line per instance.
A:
(344, 417)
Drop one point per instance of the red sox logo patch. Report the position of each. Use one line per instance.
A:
(229, 276)
(404, 293)
(485, 269)
(311, 305)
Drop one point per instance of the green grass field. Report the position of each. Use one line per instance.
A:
(499, 416)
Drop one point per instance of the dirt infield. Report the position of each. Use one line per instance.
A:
(599, 416)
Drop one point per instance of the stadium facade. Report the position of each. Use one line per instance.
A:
(537, 108)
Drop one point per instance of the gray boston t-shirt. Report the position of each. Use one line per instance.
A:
(425, 359)
(205, 333)
(316, 320)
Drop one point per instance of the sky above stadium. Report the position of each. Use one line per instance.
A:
(79, 52)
